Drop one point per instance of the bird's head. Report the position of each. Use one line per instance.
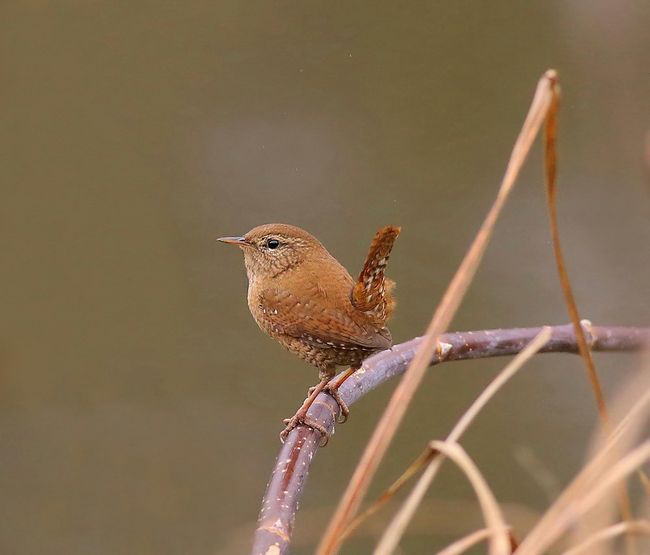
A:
(272, 249)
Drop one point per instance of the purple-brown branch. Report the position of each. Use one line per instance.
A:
(283, 493)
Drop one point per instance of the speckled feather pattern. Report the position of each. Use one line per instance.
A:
(372, 292)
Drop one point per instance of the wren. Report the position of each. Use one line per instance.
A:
(300, 295)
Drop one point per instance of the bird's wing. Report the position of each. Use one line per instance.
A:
(316, 324)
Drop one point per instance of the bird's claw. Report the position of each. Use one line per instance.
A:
(344, 411)
(299, 419)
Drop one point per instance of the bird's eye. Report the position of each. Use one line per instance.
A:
(272, 244)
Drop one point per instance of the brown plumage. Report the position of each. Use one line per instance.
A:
(372, 293)
(300, 295)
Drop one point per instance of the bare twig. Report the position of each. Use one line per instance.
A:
(291, 470)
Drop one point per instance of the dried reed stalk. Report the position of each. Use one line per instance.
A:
(401, 398)
(391, 537)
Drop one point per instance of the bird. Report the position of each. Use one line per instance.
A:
(301, 296)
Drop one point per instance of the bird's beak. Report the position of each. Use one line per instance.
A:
(239, 241)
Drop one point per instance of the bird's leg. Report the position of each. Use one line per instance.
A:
(301, 414)
(327, 385)
(332, 387)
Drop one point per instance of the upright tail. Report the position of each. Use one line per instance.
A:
(372, 291)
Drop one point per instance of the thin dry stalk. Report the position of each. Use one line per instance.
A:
(394, 532)
(633, 416)
(645, 481)
(418, 464)
(502, 378)
(401, 398)
(581, 483)
(622, 427)
(615, 475)
(461, 426)
(630, 429)
(499, 537)
(466, 542)
(550, 163)
(550, 158)
(609, 533)
(594, 475)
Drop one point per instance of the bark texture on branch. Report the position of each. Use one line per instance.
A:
(283, 493)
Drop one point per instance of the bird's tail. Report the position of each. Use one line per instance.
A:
(372, 290)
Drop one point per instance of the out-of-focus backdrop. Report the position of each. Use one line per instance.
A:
(139, 404)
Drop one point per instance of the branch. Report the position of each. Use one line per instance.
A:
(283, 493)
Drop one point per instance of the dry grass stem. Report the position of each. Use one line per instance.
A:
(459, 429)
(502, 378)
(631, 418)
(415, 467)
(398, 525)
(499, 542)
(550, 158)
(622, 427)
(400, 400)
(610, 447)
(631, 462)
(645, 481)
(466, 542)
(609, 533)
(593, 482)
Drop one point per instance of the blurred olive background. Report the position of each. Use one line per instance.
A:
(140, 406)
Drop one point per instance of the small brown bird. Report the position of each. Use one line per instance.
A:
(301, 296)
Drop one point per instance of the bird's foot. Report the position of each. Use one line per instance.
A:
(333, 390)
(344, 411)
(301, 419)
